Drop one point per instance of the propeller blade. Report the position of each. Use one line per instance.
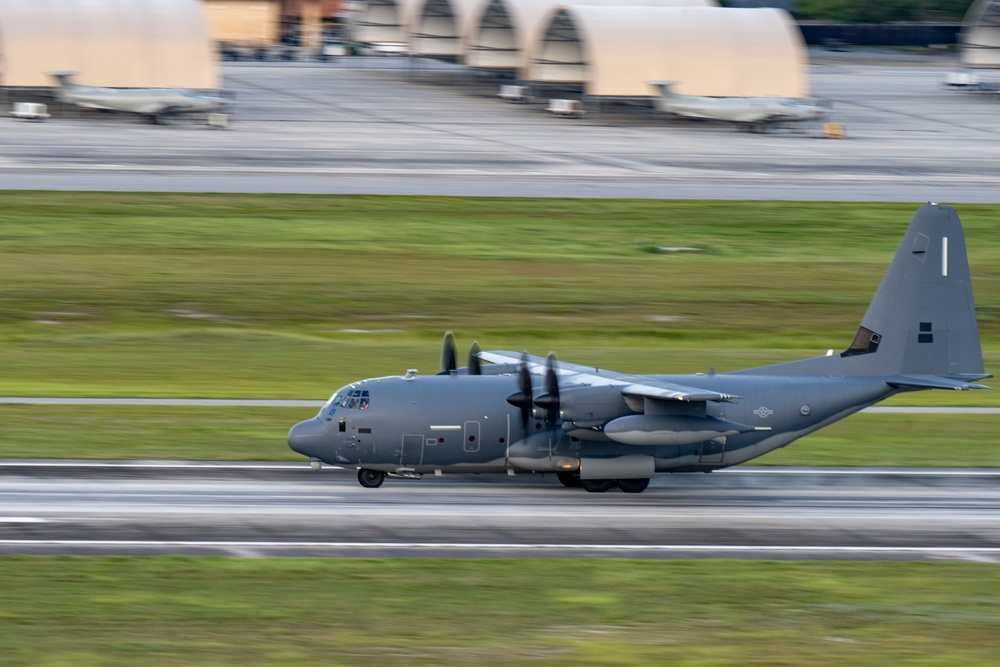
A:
(522, 397)
(549, 401)
(448, 360)
(475, 367)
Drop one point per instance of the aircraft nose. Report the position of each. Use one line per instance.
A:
(308, 438)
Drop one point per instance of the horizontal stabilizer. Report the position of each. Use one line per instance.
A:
(932, 382)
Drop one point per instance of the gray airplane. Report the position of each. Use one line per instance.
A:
(599, 429)
(756, 114)
(153, 104)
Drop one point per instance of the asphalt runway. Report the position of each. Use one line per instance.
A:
(383, 127)
(261, 509)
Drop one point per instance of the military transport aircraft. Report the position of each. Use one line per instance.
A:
(599, 429)
(153, 104)
(756, 114)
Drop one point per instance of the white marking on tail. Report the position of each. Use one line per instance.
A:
(944, 256)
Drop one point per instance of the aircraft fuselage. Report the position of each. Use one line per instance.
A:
(451, 423)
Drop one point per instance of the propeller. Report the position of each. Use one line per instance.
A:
(522, 397)
(448, 361)
(475, 368)
(549, 401)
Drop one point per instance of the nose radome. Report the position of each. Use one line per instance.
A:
(308, 437)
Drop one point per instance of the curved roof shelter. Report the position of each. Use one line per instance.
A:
(384, 21)
(154, 43)
(713, 51)
(244, 21)
(438, 27)
(980, 38)
(502, 32)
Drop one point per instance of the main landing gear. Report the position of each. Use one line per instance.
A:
(573, 481)
(371, 479)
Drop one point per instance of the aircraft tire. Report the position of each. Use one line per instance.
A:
(370, 479)
(597, 485)
(633, 485)
(569, 479)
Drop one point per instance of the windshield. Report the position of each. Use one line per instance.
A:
(347, 398)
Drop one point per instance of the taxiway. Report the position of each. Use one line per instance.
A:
(355, 127)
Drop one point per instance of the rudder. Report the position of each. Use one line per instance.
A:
(922, 319)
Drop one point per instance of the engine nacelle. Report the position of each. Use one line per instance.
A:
(592, 404)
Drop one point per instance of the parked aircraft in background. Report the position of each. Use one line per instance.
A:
(755, 114)
(599, 429)
(153, 104)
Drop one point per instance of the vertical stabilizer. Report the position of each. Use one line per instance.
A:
(922, 320)
(665, 94)
(64, 82)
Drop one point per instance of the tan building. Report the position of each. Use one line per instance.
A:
(506, 32)
(384, 22)
(153, 43)
(244, 21)
(713, 51)
(266, 22)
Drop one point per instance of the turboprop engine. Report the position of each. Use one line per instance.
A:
(589, 405)
(670, 429)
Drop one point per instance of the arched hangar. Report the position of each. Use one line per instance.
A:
(980, 36)
(712, 51)
(384, 22)
(439, 27)
(504, 32)
(154, 43)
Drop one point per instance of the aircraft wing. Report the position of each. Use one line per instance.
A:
(668, 391)
(645, 387)
(539, 364)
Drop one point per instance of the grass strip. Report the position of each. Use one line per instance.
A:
(258, 434)
(209, 611)
(292, 295)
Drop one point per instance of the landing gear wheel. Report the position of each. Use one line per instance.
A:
(569, 479)
(597, 485)
(633, 485)
(371, 479)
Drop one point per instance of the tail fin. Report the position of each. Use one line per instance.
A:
(665, 94)
(922, 319)
(64, 81)
(920, 328)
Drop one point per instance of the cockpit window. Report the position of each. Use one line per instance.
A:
(352, 399)
(346, 399)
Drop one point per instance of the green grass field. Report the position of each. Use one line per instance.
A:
(292, 296)
(167, 611)
(277, 296)
(268, 296)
